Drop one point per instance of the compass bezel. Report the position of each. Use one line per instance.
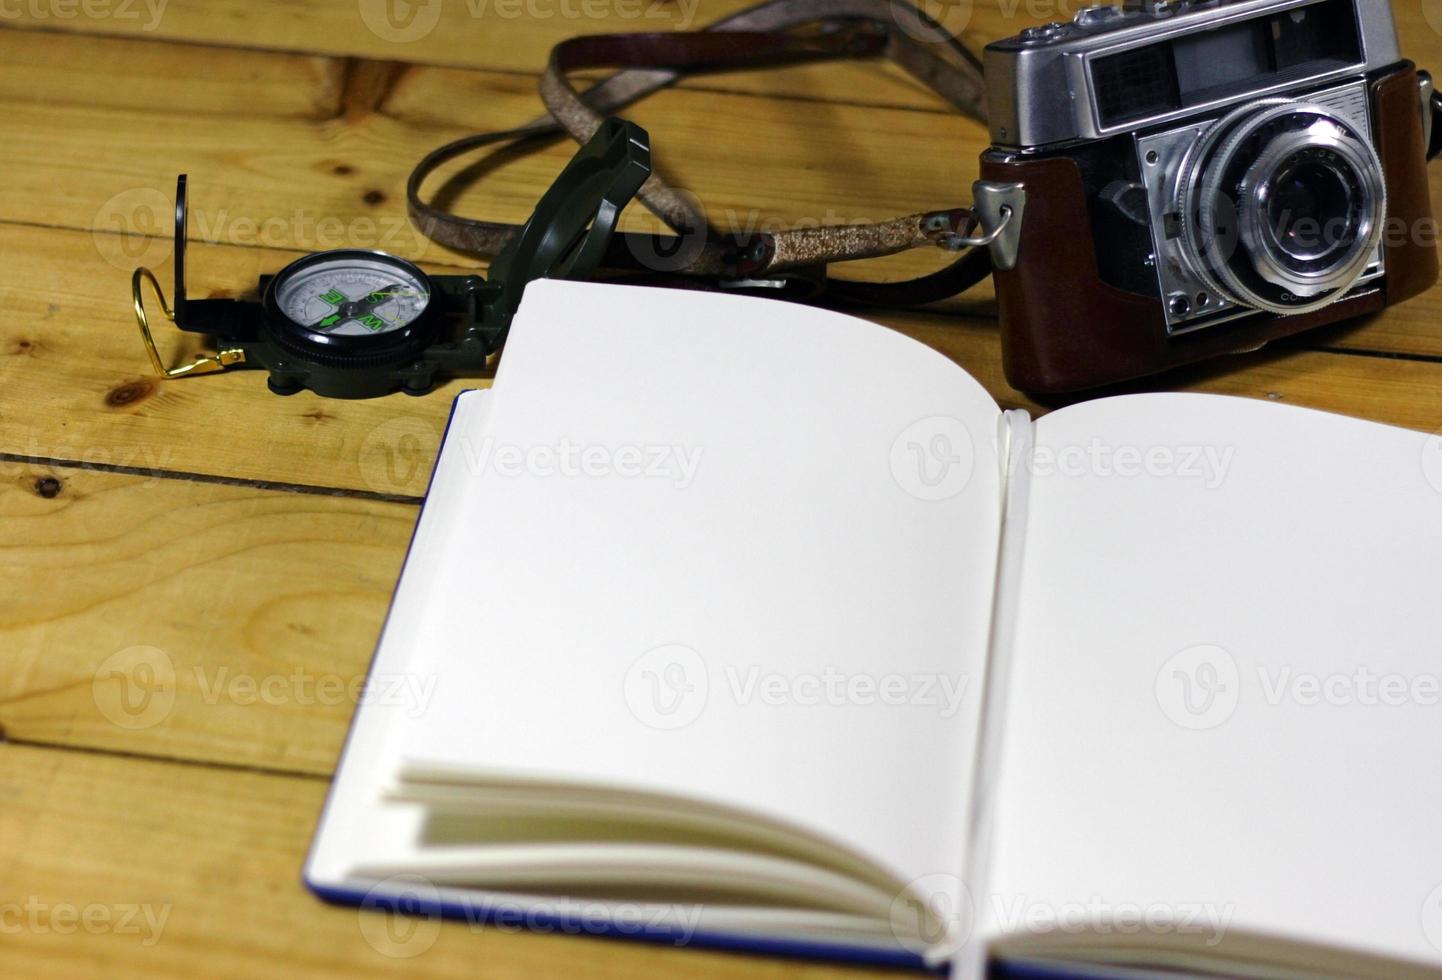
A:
(394, 344)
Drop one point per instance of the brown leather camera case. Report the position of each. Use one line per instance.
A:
(1064, 329)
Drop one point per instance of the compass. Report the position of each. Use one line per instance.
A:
(355, 318)
(351, 294)
(354, 323)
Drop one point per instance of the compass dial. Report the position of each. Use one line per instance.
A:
(354, 295)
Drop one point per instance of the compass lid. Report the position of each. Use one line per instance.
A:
(572, 224)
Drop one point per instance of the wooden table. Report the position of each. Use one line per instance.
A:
(195, 571)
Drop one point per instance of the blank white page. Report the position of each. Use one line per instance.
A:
(1224, 695)
(765, 582)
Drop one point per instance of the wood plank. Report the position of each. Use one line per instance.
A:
(189, 619)
(75, 362)
(516, 35)
(257, 585)
(287, 182)
(122, 73)
(219, 891)
(494, 40)
(1395, 391)
(74, 164)
(292, 182)
(78, 388)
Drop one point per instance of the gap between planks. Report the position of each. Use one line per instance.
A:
(155, 757)
(184, 476)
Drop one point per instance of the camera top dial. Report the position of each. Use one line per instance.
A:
(1282, 206)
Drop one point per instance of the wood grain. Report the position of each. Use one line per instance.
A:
(189, 619)
(516, 35)
(77, 385)
(269, 178)
(495, 35)
(289, 180)
(186, 871)
(249, 615)
(217, 625)
(40, 68)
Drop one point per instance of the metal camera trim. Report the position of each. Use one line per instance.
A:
(1160, 157)
(1024, 75)
(1188, 185)
(1343, 273)
(1211, 261)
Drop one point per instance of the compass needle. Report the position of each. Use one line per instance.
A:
(353, 311)
(329, 286)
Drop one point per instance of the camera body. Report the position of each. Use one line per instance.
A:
(1201, 178)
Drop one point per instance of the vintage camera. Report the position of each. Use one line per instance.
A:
(1200, 178)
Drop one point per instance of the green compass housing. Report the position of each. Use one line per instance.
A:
(354, 323)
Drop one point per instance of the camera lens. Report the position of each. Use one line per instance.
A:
(1311, 210)
(1281, 206)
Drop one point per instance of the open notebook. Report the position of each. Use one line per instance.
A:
(747, 623)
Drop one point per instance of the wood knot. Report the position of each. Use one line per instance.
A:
(48, 487)
(129, 393)
(342, 170)
(374, 197)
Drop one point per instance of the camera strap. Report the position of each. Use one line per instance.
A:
(792, 262)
